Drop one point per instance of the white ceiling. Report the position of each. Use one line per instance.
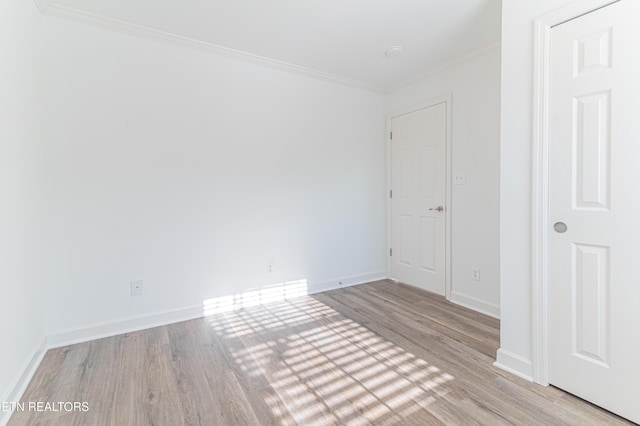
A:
(346, 38)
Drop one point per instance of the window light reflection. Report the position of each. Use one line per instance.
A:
(322, 367)
(265, 295)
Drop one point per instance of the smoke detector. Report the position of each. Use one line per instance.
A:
(394, 51)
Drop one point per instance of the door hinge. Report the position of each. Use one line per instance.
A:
(391, 193)
(391, 135)
(390, 252)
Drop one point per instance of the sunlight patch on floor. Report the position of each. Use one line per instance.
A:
(326, 368)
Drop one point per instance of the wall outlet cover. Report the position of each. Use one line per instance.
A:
(136, 288)
(475, 274)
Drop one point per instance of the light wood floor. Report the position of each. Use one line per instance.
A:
(378, 353)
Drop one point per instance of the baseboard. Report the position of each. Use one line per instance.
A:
(129, 325)
(349, 281)
(475, 304)
(514, 364)
(19, 385)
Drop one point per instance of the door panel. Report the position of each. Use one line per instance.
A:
(592, 304)
(428, 234)
(406, 240)
(418, 180)
(594, 152)
(592, 114)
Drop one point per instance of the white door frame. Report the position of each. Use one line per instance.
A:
(540, 179)
(446, 99)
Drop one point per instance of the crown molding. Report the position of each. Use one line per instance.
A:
(49, 8)
(42, 5)
(446, 66)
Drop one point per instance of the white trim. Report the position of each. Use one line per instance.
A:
(448, 100)
(388, 172)
(476, 304)
(20, 383)
(539, 202)
(76, 15)
(157, 319)
(540, 179)
(127, 325)
(446, 66)
(349, 281)
(514, 364)
(42, 5)
(448, 183)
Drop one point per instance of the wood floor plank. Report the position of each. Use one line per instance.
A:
(100, 369)
(203, 384)
(394, 326)
(375, 354)
(343, 352)
(456, 328)
(266, 404)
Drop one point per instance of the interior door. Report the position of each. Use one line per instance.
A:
(418, 223)
(594, 243)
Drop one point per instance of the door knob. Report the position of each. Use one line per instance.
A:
(438, 209)
(560, 227)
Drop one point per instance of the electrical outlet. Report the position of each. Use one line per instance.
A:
(460, 178)
(271, 267)
(136, 288)
(475, 274)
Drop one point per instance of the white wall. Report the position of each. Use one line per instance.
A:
(475, 86)
(21, 288)
(190, 171)
(515, 181)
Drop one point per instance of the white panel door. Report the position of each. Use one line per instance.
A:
(594, 243)
(418, 223)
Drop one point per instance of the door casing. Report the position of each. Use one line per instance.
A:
(540, 180)
(447, 99)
